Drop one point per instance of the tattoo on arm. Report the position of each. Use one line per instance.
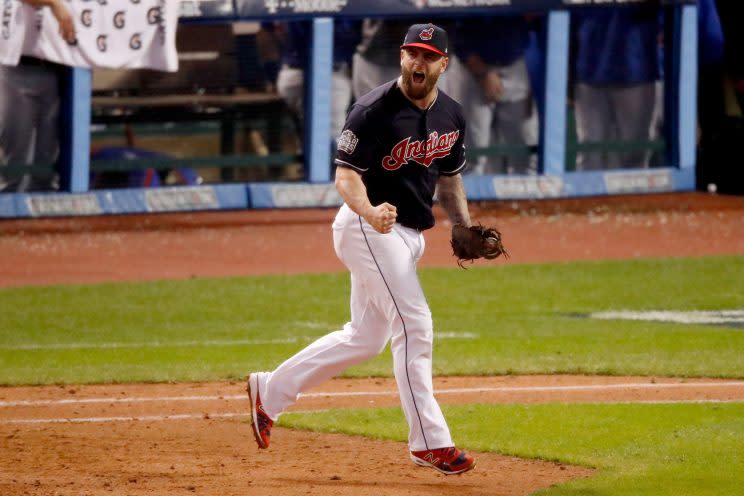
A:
(451, 194)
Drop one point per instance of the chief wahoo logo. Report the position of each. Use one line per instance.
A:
(426, 34)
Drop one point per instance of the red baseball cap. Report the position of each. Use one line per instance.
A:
(427, 36)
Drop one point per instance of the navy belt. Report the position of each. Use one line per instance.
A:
(36, 62)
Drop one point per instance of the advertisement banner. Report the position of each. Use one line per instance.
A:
(363, 8)
(206, 8)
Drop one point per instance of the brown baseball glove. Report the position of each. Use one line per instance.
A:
(469, 243)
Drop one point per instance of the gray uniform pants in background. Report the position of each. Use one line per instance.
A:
(510, 121)
(29, 123)
(291, 86)
(614, 113)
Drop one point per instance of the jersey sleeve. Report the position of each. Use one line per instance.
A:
(357, 143)
(455, 162)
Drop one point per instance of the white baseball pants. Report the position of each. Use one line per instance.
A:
(387, 301)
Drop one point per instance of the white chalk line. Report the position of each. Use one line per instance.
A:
(732, 317)
(165, 344)
(190, 344)
(321, 394)
(148, 344)
(208, 416)
(145, 418)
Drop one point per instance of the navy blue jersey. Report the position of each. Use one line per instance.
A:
(616, 45)
(508, 39)
(401, 150)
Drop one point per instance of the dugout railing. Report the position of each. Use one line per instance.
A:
(554, 179)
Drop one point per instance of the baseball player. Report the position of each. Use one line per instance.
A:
(496, 90)
(616, 69)
(400, 142)
(29, 110)
(291, 78)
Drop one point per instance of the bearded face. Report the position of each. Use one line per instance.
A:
(420, 70)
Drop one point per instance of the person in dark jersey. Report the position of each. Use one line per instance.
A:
(401, 141)
(616, 71)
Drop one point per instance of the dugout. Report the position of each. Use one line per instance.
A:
(556, 150)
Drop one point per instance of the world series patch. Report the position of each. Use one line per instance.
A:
(347, 142)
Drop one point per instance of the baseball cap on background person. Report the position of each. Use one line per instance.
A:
(427, 36)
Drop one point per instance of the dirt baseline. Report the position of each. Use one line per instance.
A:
(183, 439)
(192, 438)
(215, 244)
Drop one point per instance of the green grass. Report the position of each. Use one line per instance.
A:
(524, 318)
(638, 449)
(182, 328)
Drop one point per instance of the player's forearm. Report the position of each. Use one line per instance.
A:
(452, 198)
(351, 188)
(61, 13)
(41, 3)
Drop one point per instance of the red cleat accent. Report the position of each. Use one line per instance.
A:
(260, 421)
(449, 461)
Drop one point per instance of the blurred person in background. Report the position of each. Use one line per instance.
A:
(731, 13)
(721, 96)
(616, 66)
(290, 82)
(711, 101)
(374, 63)
(495, 91)
(29, 110)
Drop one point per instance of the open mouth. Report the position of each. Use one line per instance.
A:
(419, 77)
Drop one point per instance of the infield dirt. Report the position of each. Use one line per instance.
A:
(213, 244)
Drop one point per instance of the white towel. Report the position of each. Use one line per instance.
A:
(110, 33)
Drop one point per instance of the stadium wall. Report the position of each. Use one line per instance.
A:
(317, 191)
